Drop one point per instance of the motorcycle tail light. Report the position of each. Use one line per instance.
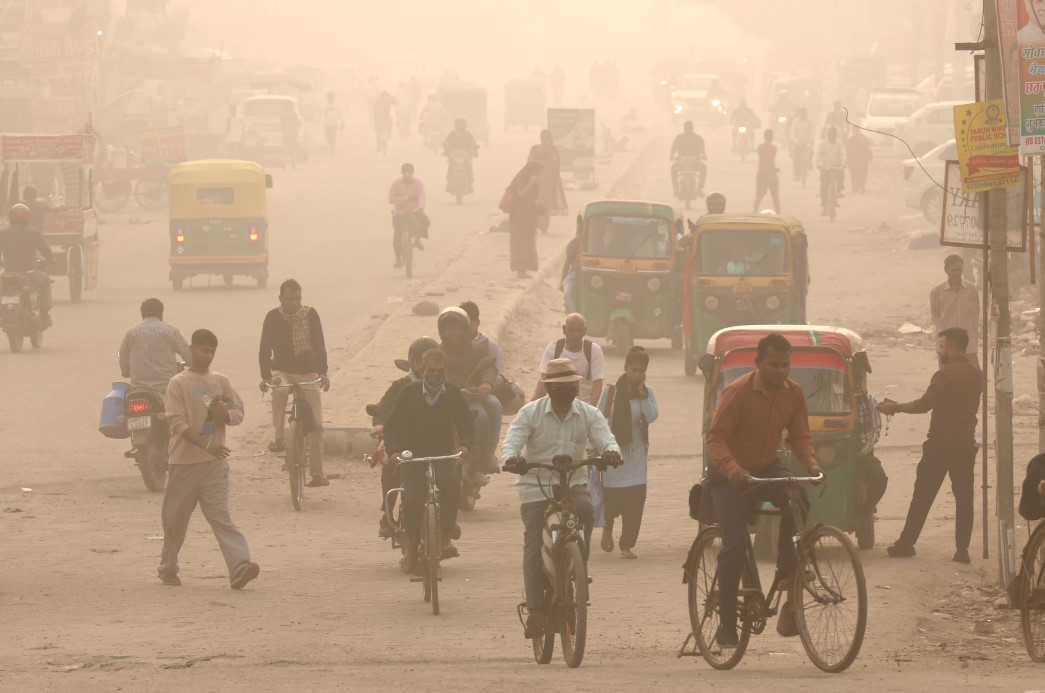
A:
(253, 233)
(138, 406)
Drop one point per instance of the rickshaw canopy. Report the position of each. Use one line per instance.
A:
(842, 340)
(218, 188)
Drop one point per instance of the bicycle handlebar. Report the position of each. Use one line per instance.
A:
(780, 479)
(274, 385)
(408, 457)
(519, 465)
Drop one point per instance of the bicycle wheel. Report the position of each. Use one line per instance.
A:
(830, 599)
(406, 248)
(544, 645)
(1032, 611)
(574, 626)
(432, 553)
(295, 465)
(702, 573)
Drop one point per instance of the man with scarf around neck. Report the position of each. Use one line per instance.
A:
(294, 351)
(556, 424)
(630, 407)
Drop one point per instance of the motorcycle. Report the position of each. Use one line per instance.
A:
(744, 141)
(150, 436)
(20, 311)
(459, 174)
(686, 183)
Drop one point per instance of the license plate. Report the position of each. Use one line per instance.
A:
(139, 423)
(9, 300)
(623, 297)
(626, 269)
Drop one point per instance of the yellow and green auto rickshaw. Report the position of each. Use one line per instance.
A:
(628, 284)
(831, 366)
(742, 269)
(219, 221)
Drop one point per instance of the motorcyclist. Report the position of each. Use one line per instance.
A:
(460, 139)
(688, 144)
(414, 355)
(407, 194)
(150, 350)
(468, 371)
(782, 109)
(743, 115)
(20, 245)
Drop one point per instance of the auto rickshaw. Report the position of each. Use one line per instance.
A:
(219, 222)
(628, 283)
(524, 103)
(742, 269)
(831, 366)
(467, 101)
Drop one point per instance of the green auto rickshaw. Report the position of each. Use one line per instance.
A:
(742, 269)
(629, 284)
(219, 221)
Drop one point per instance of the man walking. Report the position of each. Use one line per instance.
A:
(766, 179)
(294, 351)
(149, 351)
(200, 403)
(585, 354)
(234, 127)
(950, 448)
(956, 303)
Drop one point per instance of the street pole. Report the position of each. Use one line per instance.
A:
(1040, 249)
(999, 256)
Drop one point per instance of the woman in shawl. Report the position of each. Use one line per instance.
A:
(630, 407)
(523, 212)
(549, 183)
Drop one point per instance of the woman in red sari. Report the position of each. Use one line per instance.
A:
(523, 218)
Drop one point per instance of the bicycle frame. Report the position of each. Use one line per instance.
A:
(432, 490)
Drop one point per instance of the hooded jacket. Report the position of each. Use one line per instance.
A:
(463, 359)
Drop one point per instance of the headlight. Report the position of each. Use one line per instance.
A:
(741, 129)
(596, 282)
(711, 302)
(678, 108)
(782, 119)
(773, 302)
(653, 284)
(827, 453)
(716, 103)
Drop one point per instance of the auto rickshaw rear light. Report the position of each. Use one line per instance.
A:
(597, 282)
(138, 406)
(772, 302)
(253, 233)
(711, 302)
(180, 236)
(653, 284)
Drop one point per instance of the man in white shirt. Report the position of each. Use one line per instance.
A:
(332, 122)
(234, 132)
(586, 356)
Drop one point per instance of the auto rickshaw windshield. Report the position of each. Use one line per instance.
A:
(628, 237)
(754, 252)
(822, 377)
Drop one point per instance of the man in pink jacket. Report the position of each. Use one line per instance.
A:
(200, 403)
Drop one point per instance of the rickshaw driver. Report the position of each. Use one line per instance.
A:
(19, 245)
(742, 441)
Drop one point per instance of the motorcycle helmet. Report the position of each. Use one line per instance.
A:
(716, 203)
(417, 349)
(19, 214)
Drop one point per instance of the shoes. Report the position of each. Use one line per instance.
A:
(385, 530)
(244, 574)
(626, 553)
(726, 636)
(171, 580)
(417, 244)
(277, 446)
(455, 533)
(398, 264)
(899, 550)
(318, 481)
(408, 562)
(535, 624)
(962, 556)
(607, 539)
(786, 624)
(449, 551)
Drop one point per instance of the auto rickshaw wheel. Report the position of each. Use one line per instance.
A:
(228, 279)
(75, 274)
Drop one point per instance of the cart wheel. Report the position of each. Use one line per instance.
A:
(228, 279)
(263, 282)
(75, 274)
(112, 196)
(151, 195)
(179, 283)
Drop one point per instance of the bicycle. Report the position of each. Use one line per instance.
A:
(829, 190)
(300, 425)
(404, 231)
(1032, 591)
(430, 551)
(565, 573)
(827, 591)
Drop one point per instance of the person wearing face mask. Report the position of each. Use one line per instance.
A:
(555, 424)
(430, 418)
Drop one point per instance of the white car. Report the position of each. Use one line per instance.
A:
(886, 109)
(691, 98)
(923, 189)
(927, 127)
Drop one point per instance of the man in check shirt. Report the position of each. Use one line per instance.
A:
(150, 350)
(956, 303)
(742, 441)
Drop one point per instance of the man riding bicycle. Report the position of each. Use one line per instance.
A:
(407, 196)
(556, 424)
(742, 441)
(830, 159)
(431, 419)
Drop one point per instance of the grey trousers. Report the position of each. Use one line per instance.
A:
(205, 484)
(533, 541)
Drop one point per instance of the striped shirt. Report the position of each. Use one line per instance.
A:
(957, 307)
(147, 354)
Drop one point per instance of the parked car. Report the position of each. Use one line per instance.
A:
(927, 127)
(886, 109)
(923, 189)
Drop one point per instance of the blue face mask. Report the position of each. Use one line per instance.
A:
(435, 380)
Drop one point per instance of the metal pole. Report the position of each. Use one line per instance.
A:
(985, 329)
(1035, 260)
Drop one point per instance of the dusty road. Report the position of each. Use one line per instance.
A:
(83, 610)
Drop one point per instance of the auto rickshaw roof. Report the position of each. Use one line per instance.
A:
(839, 339)
(218, 171)
(747, 220)
(629, 208)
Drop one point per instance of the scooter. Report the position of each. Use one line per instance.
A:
(20, 311)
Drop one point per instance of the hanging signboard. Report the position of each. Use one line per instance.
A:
(963, 220)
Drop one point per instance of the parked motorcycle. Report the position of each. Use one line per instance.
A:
(459, 174)
(20, 311)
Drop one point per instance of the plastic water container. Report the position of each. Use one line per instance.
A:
(113, 423)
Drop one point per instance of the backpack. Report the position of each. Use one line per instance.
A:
(560, 346)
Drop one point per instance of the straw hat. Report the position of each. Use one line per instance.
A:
(560, 371)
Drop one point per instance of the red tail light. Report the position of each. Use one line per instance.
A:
(180, 236)
(253, 233)
(138, 406)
